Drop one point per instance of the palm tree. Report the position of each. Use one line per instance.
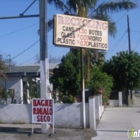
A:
(97, 11)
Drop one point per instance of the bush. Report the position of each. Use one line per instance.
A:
(68, 99)
(101, 83)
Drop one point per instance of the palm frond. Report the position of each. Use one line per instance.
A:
(90, 3)
(74, 4)
(115, 6)
(112, 25)
(60, 5)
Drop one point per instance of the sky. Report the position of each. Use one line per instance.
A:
(19, 38)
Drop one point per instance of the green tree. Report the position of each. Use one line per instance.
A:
(101, 83)
(125, 69)
(97, 11)
(66, 77)
(2, 76)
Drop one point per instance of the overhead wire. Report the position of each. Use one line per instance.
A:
(137, 42)
(25, 49)
(116, 44)
(28, 60)
(18, 30)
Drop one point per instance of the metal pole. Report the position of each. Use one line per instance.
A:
(44, 74)
(129, 41)
(129, 45)
(83, 89)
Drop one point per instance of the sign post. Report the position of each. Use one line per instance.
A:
(44, 63)
(43, 111)
(84, 33)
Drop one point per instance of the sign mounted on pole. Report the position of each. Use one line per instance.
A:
(76, 31)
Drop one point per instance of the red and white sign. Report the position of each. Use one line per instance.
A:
(76, 31)
(42, 110)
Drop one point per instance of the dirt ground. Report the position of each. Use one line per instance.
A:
(60, 134)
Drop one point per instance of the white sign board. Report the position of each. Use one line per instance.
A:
(76, 31)
(42, 110)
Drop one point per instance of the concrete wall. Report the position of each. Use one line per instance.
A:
(70, 115)
(66, 115)
(15, 83)
(15, 113)
(113, 103)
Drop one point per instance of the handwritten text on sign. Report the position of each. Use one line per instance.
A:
(76, 31)
(42, 111)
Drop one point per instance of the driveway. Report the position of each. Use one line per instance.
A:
(116, 122)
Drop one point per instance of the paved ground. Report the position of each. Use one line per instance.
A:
(116, 122)
(21, 132)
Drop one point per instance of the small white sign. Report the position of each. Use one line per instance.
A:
(42, 110)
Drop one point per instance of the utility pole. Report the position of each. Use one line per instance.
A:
(83, 88)
(44, 66)
(129, 45)
(129, 41)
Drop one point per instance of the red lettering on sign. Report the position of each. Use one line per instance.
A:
(43, 111)
(42, 102)
(43, 118)
(34, 111)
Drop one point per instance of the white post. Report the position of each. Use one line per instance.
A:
(44, 67)
(92, 116)
(21, 95)
(97, 107)
(120, 98)
(100, 97)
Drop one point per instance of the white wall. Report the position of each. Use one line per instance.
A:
(15, 113)
(15, 83)
(114, 103)
(66, 115)
(70, 115)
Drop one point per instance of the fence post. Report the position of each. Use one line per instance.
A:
(92, 116)
(120, 98)
(97, 106)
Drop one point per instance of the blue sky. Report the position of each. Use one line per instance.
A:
(17, 35)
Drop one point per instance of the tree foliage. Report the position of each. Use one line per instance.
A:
(96, 9)
(2, 76)
(125, 69)
(100, 11)
(101, 82)
(66, 77)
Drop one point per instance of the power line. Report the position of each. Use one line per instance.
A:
(116, 44)
(137, 42)
(28, 60)
(26, 49)
(19, 30)
(122, 16)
